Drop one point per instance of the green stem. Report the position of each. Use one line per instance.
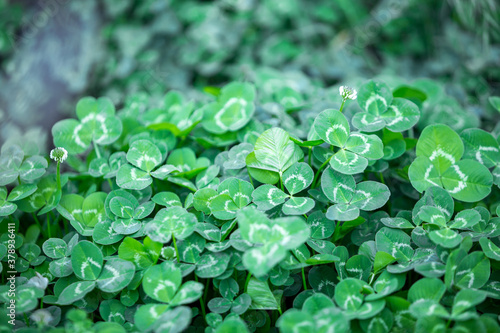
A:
(175, 247)
(39, 224)
(247, 281)
(281, 183)
(97, 152)
(58, 176)
(250, 177)
(381, 176)
(342, 105)
(371, 278)
(228, 232)
(310, 157)
(205, 293)
(316, 176)
(202, 302)
(279, 310)
(304, 279)
(47, 217)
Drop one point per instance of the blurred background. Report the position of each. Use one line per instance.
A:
(53, 52)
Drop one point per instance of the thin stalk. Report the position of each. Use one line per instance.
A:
(281, 183)
(228, 232)
(47, 219)
(175, 247)
(342, 105)
(250, 177)
(304, 279)
(247, 281)
(310, 157)
(58, 176)
(381, 176)
(372, 276)
(202, 302)
(316, 176)
(97, 152)
(205, 293)
(39, 224)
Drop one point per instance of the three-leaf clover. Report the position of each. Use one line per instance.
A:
(83, 213)
(228, 289)
(274, 237)
(438, 163)
(350, 198)
(176, 115)
(14, 165)
(232, 195)
(233, 110)
(382, 110)
(319, 313)
(7, 205)
(446, 235)
(163, 283)
(88, 265)
(97, 123)
(296, 179)
(484, 148)
(171, 222)
(107, 168)
(144, 156)
(126, 212)
(355, 149)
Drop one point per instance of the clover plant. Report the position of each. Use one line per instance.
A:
(256, 208)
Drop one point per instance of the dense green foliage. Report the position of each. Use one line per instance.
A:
(223, 179)
(201, 214)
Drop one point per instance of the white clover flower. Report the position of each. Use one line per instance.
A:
(42, 317)
(348, 93)
(38, 281)
(59, 154)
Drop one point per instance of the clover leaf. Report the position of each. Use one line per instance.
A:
(381, 110)
(171, 222)
(163, 283)
(107, 168)
(7, 202)
(274, 153)
(176, 115)
(438, 163)
(355, 149)
(232, 195)
(14, 165)
(275, 238)
(83, 213)
(350, 198)
(296, 179)
(144, 156)
(483, 147)
(233, 110)
(97, 123)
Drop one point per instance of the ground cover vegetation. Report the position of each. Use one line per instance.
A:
(256, 184)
